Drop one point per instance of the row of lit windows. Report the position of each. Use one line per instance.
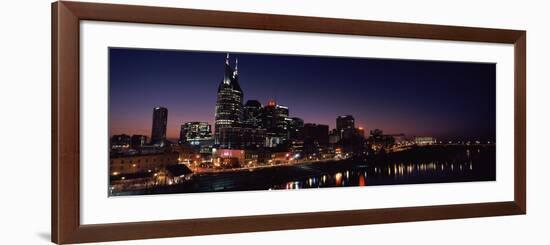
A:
(122, 161)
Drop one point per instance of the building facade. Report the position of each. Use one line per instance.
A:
(334, 136)
(195, 133)
(345, 125)
(120, 141)
(138, 141)
(252, 115)
(275, 120)
(160, 122)
(295, 129)
(228, 158)
(229, 102)
(316, 133)
(241, 138)
(132, 164)
(425, 140)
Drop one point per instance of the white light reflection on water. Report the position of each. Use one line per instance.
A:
(396, 171)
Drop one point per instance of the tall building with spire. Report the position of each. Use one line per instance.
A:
(229, 103)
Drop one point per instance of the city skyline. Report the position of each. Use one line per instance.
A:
(183, 82)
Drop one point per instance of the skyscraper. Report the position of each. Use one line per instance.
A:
(275, 119)
(315, 137)
(345, 125)
(252, 114)
(345, 122)
(229, 103)
(316, 133)
(281, 115)
(160, 121)
(295, 128)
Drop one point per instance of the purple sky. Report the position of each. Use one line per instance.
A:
(449, 100)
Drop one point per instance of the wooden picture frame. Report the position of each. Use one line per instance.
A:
(65, 177)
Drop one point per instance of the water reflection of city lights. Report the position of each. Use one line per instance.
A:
(400, 171)
(362, 180)
(338, 179)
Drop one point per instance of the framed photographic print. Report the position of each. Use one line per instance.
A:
(176, 122)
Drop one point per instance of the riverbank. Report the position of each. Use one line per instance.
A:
(458, 164)
(250, 169)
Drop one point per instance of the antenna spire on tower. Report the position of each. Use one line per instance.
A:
(236, 66)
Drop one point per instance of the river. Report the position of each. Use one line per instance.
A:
(431, 164)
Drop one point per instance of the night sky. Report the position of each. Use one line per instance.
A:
(448, 100)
